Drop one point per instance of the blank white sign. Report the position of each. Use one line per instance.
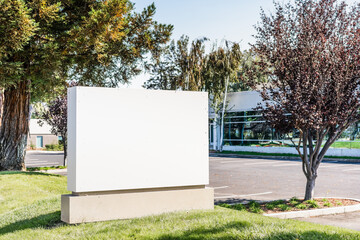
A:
(131, 139)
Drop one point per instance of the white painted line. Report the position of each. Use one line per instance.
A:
(246, 195)
(236, 161)
(220, 187)
(230, 159)
(42, 164)
(33, 159)
(38, 161)
(353, 169)
(285, 165)
(260, 163)
(229, 196)
(255, 194)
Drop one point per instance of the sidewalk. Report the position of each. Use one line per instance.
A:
(345, 220)
(62, 172)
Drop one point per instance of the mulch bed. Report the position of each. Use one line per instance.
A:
(293, 204)
(330, 202)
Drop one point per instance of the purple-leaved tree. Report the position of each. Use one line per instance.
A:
(56, 116)
(312, 49)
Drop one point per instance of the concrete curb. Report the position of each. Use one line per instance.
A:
(54, 171)
(317, 212)
(230, 155)
(44, 151)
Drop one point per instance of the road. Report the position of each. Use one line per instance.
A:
(43, 158)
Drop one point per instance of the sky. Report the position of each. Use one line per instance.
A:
(232, 20)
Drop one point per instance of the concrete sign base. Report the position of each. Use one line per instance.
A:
(124, 204)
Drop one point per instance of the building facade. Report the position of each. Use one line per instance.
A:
(40, 136)
(245, 128)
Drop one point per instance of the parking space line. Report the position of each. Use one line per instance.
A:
(285, 165)
(259, 163)
(229, 196)
(220, 187)
(245, 195)
(42, 164)
(236, 161)
(37, 161)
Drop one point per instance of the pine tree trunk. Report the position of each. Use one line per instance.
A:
(14, 127)
(309, 192)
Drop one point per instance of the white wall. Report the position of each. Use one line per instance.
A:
(342, 152)
(131, 139)
(35, 128)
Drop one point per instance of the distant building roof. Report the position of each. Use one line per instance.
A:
(241, 101)
(35, 128)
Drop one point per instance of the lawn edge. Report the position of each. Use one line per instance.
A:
(317, 212)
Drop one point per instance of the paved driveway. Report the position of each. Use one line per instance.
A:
(264, 179)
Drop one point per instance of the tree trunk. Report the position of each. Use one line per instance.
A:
(65, 150)
(222, 116)
(1, 103)
(309, 192)
(14, 127)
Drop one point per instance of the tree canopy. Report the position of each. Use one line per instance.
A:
(179, 66)
(311, 51)
(97, 43)
(47, 42)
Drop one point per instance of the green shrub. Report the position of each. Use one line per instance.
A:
(301, 206)
(270, 206)
(54, 147)
(294, 201)
(338, 203)
(284, 207)
(255, 207)
(277, 202)
(239, 207)
(327, 204)
(312, 203)
(324, 200)
(225, 205)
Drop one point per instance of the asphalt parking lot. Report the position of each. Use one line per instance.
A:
(237, 179)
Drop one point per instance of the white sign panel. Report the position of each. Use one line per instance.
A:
(131, 139)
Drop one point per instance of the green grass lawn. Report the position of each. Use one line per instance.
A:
(355, 145)
(30, 209)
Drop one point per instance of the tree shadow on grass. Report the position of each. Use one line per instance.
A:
(208, 232)
(50, 220)
(233, 230)
(28, 173)
(311, 235)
